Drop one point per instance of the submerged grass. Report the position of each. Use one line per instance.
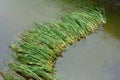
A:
(38, 48)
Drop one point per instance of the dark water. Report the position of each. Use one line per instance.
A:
(95, 58)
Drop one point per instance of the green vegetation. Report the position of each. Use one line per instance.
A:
(39, 48)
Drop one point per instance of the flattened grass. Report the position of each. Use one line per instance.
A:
(38, 49)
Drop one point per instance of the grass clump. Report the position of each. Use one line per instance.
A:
(38, 48)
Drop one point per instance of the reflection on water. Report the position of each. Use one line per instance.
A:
(95, 58)
(113, 25)
(113, 15)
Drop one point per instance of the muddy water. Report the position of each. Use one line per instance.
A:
(95, 58)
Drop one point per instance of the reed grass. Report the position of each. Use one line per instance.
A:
(39, 48)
